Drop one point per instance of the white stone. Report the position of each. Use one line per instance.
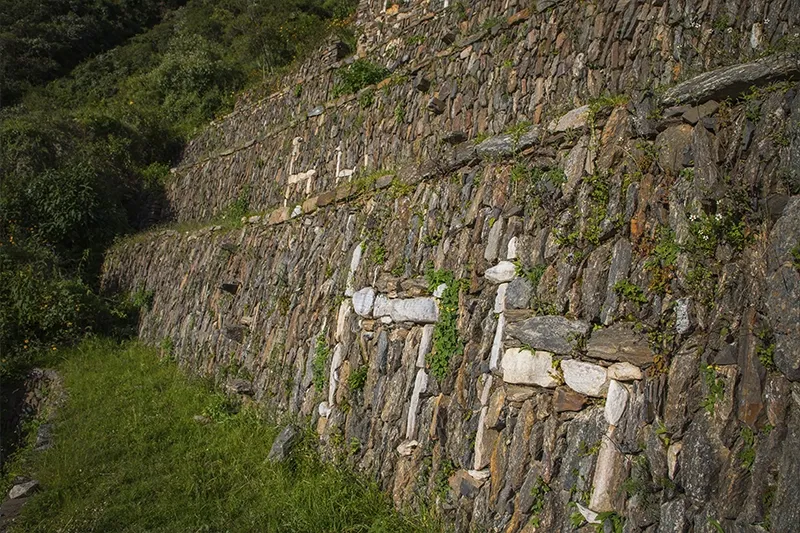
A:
(324, 410)
(301, 176)
(497, 344)
(524, 367)
(297, 211)
(624, 372)
(342, 318)
(588, 515)
(22, 489)
(585, 378)
(502, 272)
(439, 291)
(336, 362)
(512, 248)
(363, 301)
(382, 306)
(480, 460)
(420, 310)
(354, 261)
(480, 475)
(500, 298)
(575, 118)
(386, 320)
(616, 402)
(487, 389)
(608, 475)
(672, 458)
(420, 386)
(406, 447)
(425, 344)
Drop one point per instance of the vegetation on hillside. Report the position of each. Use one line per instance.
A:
(129, 455)
(84, 157)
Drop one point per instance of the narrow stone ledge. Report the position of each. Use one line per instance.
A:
(731, 81)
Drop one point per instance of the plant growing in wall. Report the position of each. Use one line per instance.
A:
(318, 365)
(355, 77)
(446, 340)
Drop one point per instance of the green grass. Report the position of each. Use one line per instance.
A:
(129, 456)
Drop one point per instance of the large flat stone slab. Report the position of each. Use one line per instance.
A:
(619, 343)
(419, 310)
(731, 81)
(554, 334)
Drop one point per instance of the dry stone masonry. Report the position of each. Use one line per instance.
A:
(546, 274)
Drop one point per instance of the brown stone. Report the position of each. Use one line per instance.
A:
(566, 399)
(326, 198)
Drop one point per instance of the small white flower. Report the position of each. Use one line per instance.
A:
(766, 22)
(729, 30)
(718, 216)
(692, 217)
(705, 237)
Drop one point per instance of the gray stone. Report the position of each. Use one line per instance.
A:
(283, 444)
(22, 490)
(523, 367)
(317, 111)
(507, 144)
(493, 241)
(435, 106)
(785, 512)
(683, 321)
(363, 301)
(502, 272)
(620, 343)
(555, 334)
(519, 293)
(586, 378)
(239, 386)
(420, 386)
(616, 402)
(673, 517)
(620, 265)
(731, 81)
(576, 118)
(783, 291)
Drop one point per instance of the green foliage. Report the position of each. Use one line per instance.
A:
(630, 292)
(357, 378)
(399, 113)
(320, 362)
(715, 387)
(447, 342)
(356, 76)
(661, 263)
(766, 349)
(795, 252)
(713, 522)
(85, 157)
(539, 490)
(603, 104)
(533, 275)
(128, 456)
(748, 453)
(708, 231)
(609, 521)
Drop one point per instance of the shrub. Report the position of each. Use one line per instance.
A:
(356, 76)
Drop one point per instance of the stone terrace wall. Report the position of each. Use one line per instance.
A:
(628, 311)
(529, 67)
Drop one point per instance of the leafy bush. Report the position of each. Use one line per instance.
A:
(356, 76)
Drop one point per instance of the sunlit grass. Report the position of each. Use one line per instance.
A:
(130, 457)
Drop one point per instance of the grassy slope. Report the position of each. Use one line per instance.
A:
(129, 457)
